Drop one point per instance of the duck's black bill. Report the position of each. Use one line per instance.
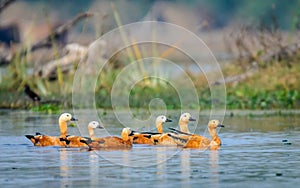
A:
(192, 119)
(168, 120)
(74, 119)
(220, 125)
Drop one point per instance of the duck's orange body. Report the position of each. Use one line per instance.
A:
(109, 142)
(166, 140)
(75, 141)
(139, 138)
(201, 142)
(149, 138)
(45, 140)
(175, 138)
(197, 141)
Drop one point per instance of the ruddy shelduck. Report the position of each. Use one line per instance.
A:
(45, 140)
(198, 141)
(162, 138)
(184, 133)
(109, 142)
(150, 138)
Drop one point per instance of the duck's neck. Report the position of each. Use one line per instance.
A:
(63, 128)
(213, 133)
(159, 126)
(91, 133)
(215, 140)
(184, 126)
(124, 135)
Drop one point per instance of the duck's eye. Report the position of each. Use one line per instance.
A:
(67, 115)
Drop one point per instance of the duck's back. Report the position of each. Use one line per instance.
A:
(110, 142)
(75, 141)
(142, 139)
(44, 140)
(166, 140)
(197, 141)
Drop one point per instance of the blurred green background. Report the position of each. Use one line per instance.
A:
(256, 43)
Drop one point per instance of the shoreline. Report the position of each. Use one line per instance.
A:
(228, 113)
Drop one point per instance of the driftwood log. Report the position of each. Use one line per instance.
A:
(237, 78)
(74, 53)
(6, 56)
(51, 39)
(281, 53)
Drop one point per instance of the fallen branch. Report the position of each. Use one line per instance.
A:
(75, 53)
(282, 53)
(279, 54)
(48, 41)
(240, 77)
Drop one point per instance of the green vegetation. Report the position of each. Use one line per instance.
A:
(47, 108)
(273, 87)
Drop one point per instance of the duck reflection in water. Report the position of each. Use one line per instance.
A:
(214, 168)
(64, 168)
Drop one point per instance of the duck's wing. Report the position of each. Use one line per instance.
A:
(74, 141)
(150, 133)
(180, 140)
(166, 140)
(178, 131)
(109, 142)
(45, 140)
(116, 142)
(142, 139)
(198, 141)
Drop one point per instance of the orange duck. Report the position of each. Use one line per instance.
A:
(180, 137)
(45, 140)
(198, 141)
(163, 138)
(109, 142)
(150, 138)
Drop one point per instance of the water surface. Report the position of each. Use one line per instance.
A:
(256, 151)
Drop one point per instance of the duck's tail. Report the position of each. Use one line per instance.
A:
(86, 140)
(32, 138)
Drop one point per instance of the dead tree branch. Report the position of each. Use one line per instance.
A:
(48, 41)
(75, 53)
(5, 3)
